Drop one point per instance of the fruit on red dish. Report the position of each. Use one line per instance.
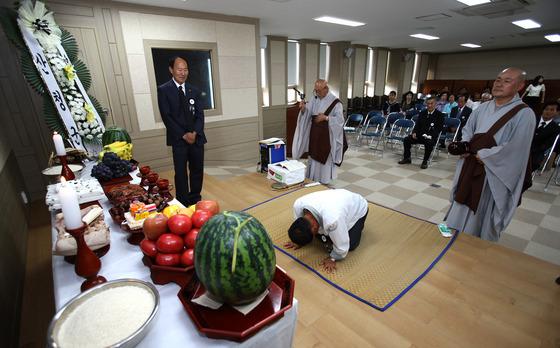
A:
(187, 257)
(190, 238)
(200, 217)
(179, 224)
(170, 243)
(211, 206)
(163, 259)
(148, 247)
(155, 226)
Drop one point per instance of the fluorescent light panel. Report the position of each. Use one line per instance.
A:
(553, 37)
(470, 45)
(474, 2)
(527, 24)
(334, 20)
(424, 36)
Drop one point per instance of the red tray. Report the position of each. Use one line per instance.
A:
(168, 274)
(135, 237)
(228, 323)
(106, 185)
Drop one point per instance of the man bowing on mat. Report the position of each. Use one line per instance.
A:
(336, 217)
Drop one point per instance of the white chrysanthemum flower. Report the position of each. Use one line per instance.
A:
(41, 23)
(89, 136)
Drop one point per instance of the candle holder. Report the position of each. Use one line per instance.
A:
(163, 188)
(87, 263)
(66, 172)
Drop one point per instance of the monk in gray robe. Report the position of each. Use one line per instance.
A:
(504, 162)
(322, 112)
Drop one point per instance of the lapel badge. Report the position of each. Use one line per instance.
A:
(431, 124)
(191, 101)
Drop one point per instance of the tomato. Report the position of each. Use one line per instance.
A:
(211, 206)
(148, 247)
(179, 224)
(168, 259)
(187, 257)
(170, 243)
(200, 217)
(190, 238)
(155, 226)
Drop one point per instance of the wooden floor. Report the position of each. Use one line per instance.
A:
(479, 294)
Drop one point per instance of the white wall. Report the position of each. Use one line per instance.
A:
(237, 57)
(486, 65)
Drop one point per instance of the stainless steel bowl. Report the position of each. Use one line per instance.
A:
(130, 341)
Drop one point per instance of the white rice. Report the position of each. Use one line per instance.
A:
(106, 317)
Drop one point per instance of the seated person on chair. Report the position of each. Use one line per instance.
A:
(391, 105)
(545, 134)
(426, 132)
(462, 112)
(337, 217)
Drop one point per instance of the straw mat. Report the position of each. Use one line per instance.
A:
(395, 252)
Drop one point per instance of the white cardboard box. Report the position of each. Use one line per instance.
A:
(288, 172)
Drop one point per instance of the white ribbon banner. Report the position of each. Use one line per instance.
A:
(44, 69)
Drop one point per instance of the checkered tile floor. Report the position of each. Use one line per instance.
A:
(535, 229)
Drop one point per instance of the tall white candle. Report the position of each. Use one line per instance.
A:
(59, 144)
(70, 206)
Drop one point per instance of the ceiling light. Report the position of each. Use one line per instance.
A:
(527, 24)
(340, 21)
(553, 37)
(474, 2)
(470, 45)
(424, 36)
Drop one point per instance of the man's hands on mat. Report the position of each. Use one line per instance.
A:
(291, 245)
(329, 265)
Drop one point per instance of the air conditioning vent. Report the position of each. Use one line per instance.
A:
(433, 17)
(496, 9)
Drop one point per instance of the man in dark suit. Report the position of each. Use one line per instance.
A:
(462, 112)
(183, 116)
(545, 134)
(426, 132)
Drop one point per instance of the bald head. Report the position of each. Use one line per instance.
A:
(507, 84)
(321, 88)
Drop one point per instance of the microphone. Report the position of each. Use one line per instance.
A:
(301, 95)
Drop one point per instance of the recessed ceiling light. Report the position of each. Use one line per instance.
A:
(474, 2)
(553, 37)
(527, 24)
(424, 36)
(334, 20)
(470, 45)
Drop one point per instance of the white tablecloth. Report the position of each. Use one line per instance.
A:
(173, 326)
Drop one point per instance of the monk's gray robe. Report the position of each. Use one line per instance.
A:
(505, 166)
(317, 171)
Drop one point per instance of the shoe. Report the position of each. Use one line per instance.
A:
(405, 161)
(424, 165)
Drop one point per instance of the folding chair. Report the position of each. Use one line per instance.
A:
(411, 113)
(548, 155)
(446, 134)
(417, 147)
(554, 174)
(353, 123)
(399, 130)
(391, 118)
(374, 130)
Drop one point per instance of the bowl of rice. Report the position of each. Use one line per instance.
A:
(118, 313)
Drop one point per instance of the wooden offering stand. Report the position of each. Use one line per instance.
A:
(87, 263)
(152, 180)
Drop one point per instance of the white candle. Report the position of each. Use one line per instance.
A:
(70, 206)
(59, 144)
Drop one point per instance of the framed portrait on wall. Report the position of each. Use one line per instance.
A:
(202, 60)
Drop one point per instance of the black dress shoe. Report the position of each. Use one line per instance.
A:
(405, 161)
(424, 165)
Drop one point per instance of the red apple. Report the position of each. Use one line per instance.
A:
(211, 206)
(170, 243)
(190, 238)
(148, 247)
(168, 259)
(155, 226)
(200, 217)
(187, 257)
(179, 224)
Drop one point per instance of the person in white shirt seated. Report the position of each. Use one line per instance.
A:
(337, 217)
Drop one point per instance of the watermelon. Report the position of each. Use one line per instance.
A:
(113, 134)
(234, 257)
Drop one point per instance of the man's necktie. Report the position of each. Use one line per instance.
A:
(182, 98)
(543, 123)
